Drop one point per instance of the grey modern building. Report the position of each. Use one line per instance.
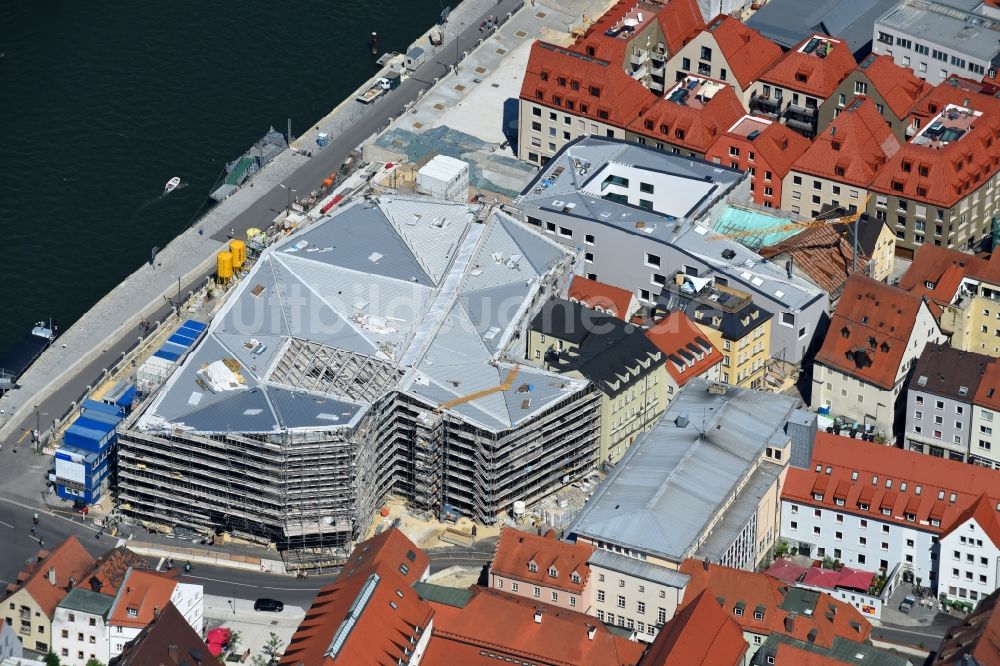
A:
(939, 401)
(641, 215)
(704, 483)
(939, 38)
(788, 22)
(372, 353)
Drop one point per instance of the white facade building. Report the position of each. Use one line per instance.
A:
(79, 628)
(970, 557)
(141, 597)
(445, 178)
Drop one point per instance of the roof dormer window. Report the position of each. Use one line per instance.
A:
(532, 567)
(553, 573)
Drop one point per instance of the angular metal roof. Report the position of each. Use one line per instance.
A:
(672, 482)
(397, 293)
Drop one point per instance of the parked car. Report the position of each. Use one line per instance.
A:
(269, 605)
(908, 603)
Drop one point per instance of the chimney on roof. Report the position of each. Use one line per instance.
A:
(704, 564)
(71, 583)
(96, 584)
(156, 613)
(591, 631)
(173, 652)
(52, 576)
(538, 616)
(788, 267)
(790, 623)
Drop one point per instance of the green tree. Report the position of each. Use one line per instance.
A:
(51, 659)
(271, 651)
(94, 661)
(234, 641)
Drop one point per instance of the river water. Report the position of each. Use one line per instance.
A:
(102, 102)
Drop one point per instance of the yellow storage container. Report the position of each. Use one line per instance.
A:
(239, 251)
(224, 265)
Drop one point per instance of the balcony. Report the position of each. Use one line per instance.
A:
(800, 112)
(639, 56)
(766, 105)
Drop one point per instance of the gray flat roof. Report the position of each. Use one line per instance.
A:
(950, 25)
(398, 293)
(661, 496)
(738, 515)
(565, 195)
(638, 569)
(788, 22)
(87, 601)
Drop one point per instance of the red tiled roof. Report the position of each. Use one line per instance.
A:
(810, 74)
(393, 609)
(822, 254)
(780, 147)
(505, 624)
(679, 22)
(748, 52)
(602, 297)
(692, 128)
(899, 86)
(853, 148)
(988, 393)
(869, 330)
(978, 636)
(791, 655)
(944, 269)
(984, 512)
(169, 641)
(144, 593)
(701, 634)
(110, 570)
(753, 590)
(674, 335)
(516, 549)
(942, 176)
(68, 560)
(938, 479)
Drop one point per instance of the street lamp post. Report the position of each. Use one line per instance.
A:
(38, 428)
(288, 206)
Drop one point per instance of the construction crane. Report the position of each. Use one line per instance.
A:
(812, 223)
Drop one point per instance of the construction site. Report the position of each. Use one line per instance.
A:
(371, 355)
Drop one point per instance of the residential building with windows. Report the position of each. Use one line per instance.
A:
(701, 634)
(872, 506)
(726, 50)
(735, 325)
(10, 644)
(840, 165)
(939, 399)
(940, 188)
(31, 601)
(875, 336)
(966, 288)
(140, 600)
(688, 352)
(79, 628)
(984, 445)
(167, 640)
(614, 356)
(937, 39)
(875, 240)
(770, 612)
(644, 215)
(542, 567)
(607, 79)
(615, 301)
(765, 149)
(794, 88)
(680, 514)
(821, 255)
(894, 91)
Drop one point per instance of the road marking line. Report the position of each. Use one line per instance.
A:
(259, 587)
(160, 563)
(21, 438)
(6, 524)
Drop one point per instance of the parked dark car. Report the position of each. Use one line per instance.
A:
(907, 604)
(270, 605)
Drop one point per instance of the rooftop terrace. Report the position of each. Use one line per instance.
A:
(951, 124)
(749, 127)
(694, 92)
(819, 46)
(634, 20)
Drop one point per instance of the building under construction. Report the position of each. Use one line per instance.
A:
(367, 355)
